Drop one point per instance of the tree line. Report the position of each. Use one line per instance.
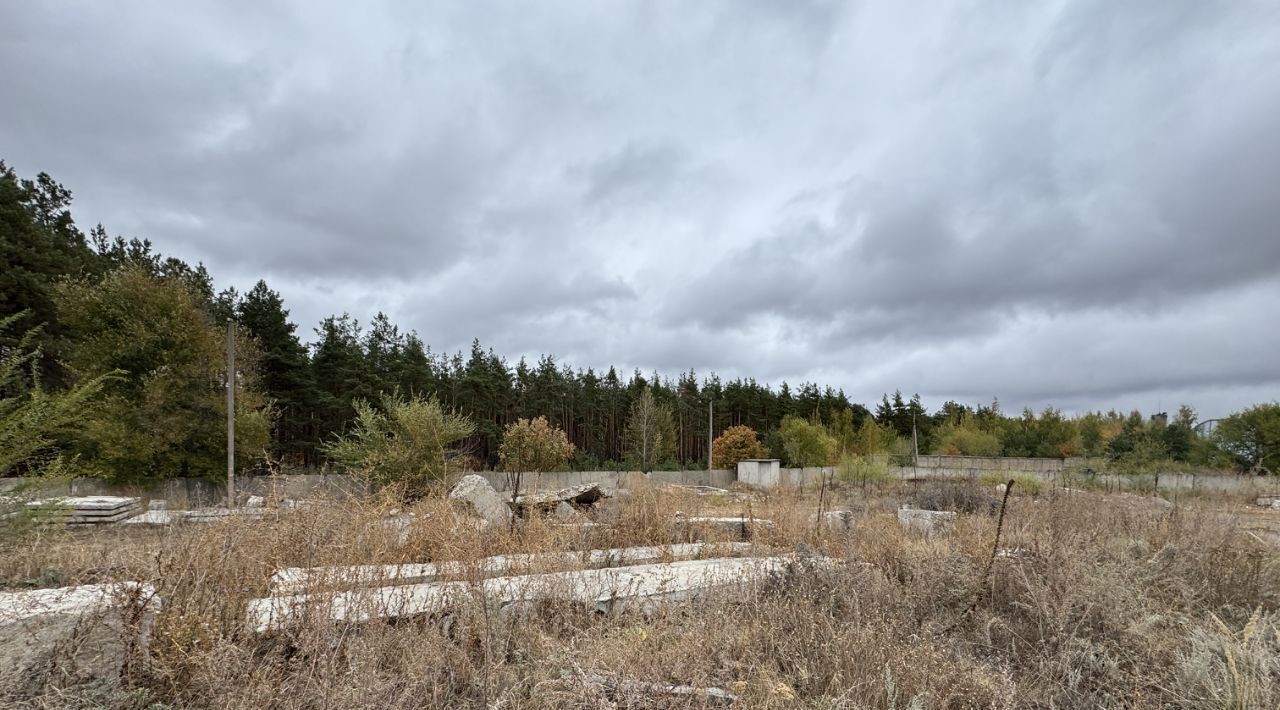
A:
(138, 339)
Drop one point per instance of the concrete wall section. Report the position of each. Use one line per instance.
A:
(195, 492)
(1000, 463)
(610, 480)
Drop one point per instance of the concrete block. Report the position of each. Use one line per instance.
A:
(475, 493)
(72, 635)
(836, 520)
(926, 522)
(152, 517)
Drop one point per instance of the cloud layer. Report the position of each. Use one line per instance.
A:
(1070, 203)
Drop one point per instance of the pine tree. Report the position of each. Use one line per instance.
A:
(285, 371)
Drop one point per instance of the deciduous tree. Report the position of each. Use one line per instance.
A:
(166, 416)
(650, 431)
(408, 444)
(734, 445)
(806, 443)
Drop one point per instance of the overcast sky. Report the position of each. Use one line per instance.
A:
(1067, 203)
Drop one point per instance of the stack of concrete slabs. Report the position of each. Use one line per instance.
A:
(86, 510)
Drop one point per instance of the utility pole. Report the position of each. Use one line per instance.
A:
(231, 414)
(711, 429)
(915, 443)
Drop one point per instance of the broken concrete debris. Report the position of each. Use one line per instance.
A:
(926, 522)
(624, 688)
(835, 520)
(565, 512)
(548, 502)
(475, 493)
(83, 634)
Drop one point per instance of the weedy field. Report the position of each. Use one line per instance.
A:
(1087, 600)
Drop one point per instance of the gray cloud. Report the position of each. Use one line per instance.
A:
(1068, 204)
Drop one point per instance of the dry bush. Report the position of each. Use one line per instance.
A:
(1096, 601)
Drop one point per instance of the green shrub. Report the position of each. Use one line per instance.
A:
(864, 469)
(405, 444)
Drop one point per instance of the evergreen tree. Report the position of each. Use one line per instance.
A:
(284, 370)
(39, 245)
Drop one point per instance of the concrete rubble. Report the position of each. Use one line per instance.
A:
(296, 579)
(548, 502)
(1273, 503)
(72, 635)
(474, 493)
(604, 590)
(836, 520)
(85, 510)
(926, 522)
(624, 688)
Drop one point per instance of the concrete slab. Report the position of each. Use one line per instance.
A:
(72, 634)
(152, 517)
(296, 579)
(86, 505)
(642, 586)
(84, 510)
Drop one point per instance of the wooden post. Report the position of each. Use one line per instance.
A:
(231, 414)
(711, 431)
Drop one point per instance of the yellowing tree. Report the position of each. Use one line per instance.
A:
(735, 444)
(534, 445)
(650, 432)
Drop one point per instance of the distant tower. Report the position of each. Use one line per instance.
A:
(1161, 418)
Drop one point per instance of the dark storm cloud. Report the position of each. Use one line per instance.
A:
(1068, 203)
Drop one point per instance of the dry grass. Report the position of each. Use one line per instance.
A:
(1108, 601)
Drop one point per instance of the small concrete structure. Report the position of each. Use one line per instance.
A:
(85, 510)
(475, 493)
(72, 634)
(926, 522)
(765, 473)
(603, 590)
(295, 579)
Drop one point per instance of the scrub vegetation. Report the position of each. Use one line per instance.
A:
(1094, 600)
